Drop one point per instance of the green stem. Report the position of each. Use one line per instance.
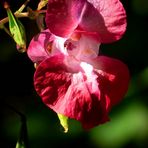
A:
(22, 7)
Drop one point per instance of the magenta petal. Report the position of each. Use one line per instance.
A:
(38, 48)
(106, 18)
(113, 78)
(68, 93)
(71, 94)
(51, 81)
(63, 16)
(84, 105)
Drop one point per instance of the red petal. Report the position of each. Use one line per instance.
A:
(82, 104)
(69, 93)
(51, 81)
(113, 78)
(106, 18)
(63, 16)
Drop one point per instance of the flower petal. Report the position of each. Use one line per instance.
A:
(63, 16)
(69, 93)
(106, 18)
(113, 77)
(50, 79)
(39, 46)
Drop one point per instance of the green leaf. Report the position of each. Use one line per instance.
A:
(20, 145)
(64, 122)
(17, 30)
(23, 137)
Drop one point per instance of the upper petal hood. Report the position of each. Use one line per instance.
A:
(105, 20)
(63, 16)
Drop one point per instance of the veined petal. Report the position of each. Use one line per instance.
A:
(78, 95)
(69, 93)
(83, 104)
(51, 80)
(63, 16)
(113, 78)
(106, 18)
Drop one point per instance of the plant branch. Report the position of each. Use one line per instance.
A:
(7, 31)
(20, 15)
(22, 7)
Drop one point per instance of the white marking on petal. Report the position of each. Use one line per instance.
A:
(86, 48)
(58, 46)
(91, 81)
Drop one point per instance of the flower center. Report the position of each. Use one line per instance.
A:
(82, 47)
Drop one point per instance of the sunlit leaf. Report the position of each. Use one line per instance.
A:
(20, 145)
(64, 122)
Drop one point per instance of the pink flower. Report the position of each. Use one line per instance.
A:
(82, 93)
(70, 77)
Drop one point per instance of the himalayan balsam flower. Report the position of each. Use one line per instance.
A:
(70, 77)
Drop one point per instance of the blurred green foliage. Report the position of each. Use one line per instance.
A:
(140, 6)
(128, 125)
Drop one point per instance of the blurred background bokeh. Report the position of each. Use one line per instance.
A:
(129, 120)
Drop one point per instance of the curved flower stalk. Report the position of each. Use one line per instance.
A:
(70, 77)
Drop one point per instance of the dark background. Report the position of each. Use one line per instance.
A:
(129, 120)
